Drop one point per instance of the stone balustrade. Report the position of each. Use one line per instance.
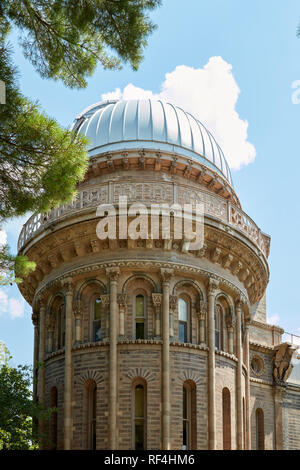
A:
(148, 193)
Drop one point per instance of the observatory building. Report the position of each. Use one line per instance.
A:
(146, 343)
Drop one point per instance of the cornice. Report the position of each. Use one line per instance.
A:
(266, 326)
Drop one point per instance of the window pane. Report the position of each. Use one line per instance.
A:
(140, 330)
(97, 331)
(97, 309)
(183, 332)
(139, 401)
(139, 306)
(182, 310)
(184, 404)
(139, 436)
(217, 339)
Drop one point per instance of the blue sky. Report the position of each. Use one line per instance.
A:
(258, 39)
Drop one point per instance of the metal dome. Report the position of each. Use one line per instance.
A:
(149, 124)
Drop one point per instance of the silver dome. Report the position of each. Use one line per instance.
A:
(149, 124)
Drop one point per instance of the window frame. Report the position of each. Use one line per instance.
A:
(187, 301)
(92, 317)
(136, 383)
(144, 318)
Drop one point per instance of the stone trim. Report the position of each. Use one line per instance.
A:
(142, 265)
(91, 374)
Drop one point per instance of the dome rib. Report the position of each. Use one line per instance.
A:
(156, 125)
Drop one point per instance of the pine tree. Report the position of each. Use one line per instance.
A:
(41, 163)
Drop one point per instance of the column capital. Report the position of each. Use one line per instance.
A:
(112, 273)
(68, 285)
(239, 302)
(157, 299)
(212, 285)
(173, 302)
(166, 274)
(77, 308)
(203, 308)
(122, 300)
(42, 300)
(105, 299)
(35, 318)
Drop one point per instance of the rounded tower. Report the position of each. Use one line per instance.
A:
(145, 342)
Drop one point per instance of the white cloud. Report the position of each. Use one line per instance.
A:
(273, 320)
(210, 94)
(10, 305)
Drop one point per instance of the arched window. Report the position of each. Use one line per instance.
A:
(61, 326)
(53, 418)
(140, 306)
(91, 411)
(96, 323)
(183, 320)
(189, 425)
(226, 415)
(218, 327)
(260, 431)
(139, 436)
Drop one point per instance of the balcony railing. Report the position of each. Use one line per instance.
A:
(148, 193)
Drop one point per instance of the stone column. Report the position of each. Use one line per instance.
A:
(122, 301)
(173, 305)
(248, 422)
(211, 293)
(77, 310)
(279, 393)
(230, 340)
(239, 374)
(105, 316)
(202, 316)
(166, 275)
(157, 301)
(41, 355)
(35, 321)
(68, 286)
(41, 369)
(113, 274)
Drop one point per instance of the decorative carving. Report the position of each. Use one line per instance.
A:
(203, 307)
(283, 354)
(122, 300)
(157, 300)
(113, 273)
(166, 274)
(77, 308)
(212, 285)
(173, 302)
(105, 299)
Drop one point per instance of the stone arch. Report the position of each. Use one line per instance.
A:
(87, 283)
(188, 376)
(90, 374)
(53, 298)
(88, 291)
(139, 284)
(141, 372)
(192, 283)
(139, 276)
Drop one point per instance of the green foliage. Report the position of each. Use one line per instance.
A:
(41, 163)
(17, 409)
(65, 39)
